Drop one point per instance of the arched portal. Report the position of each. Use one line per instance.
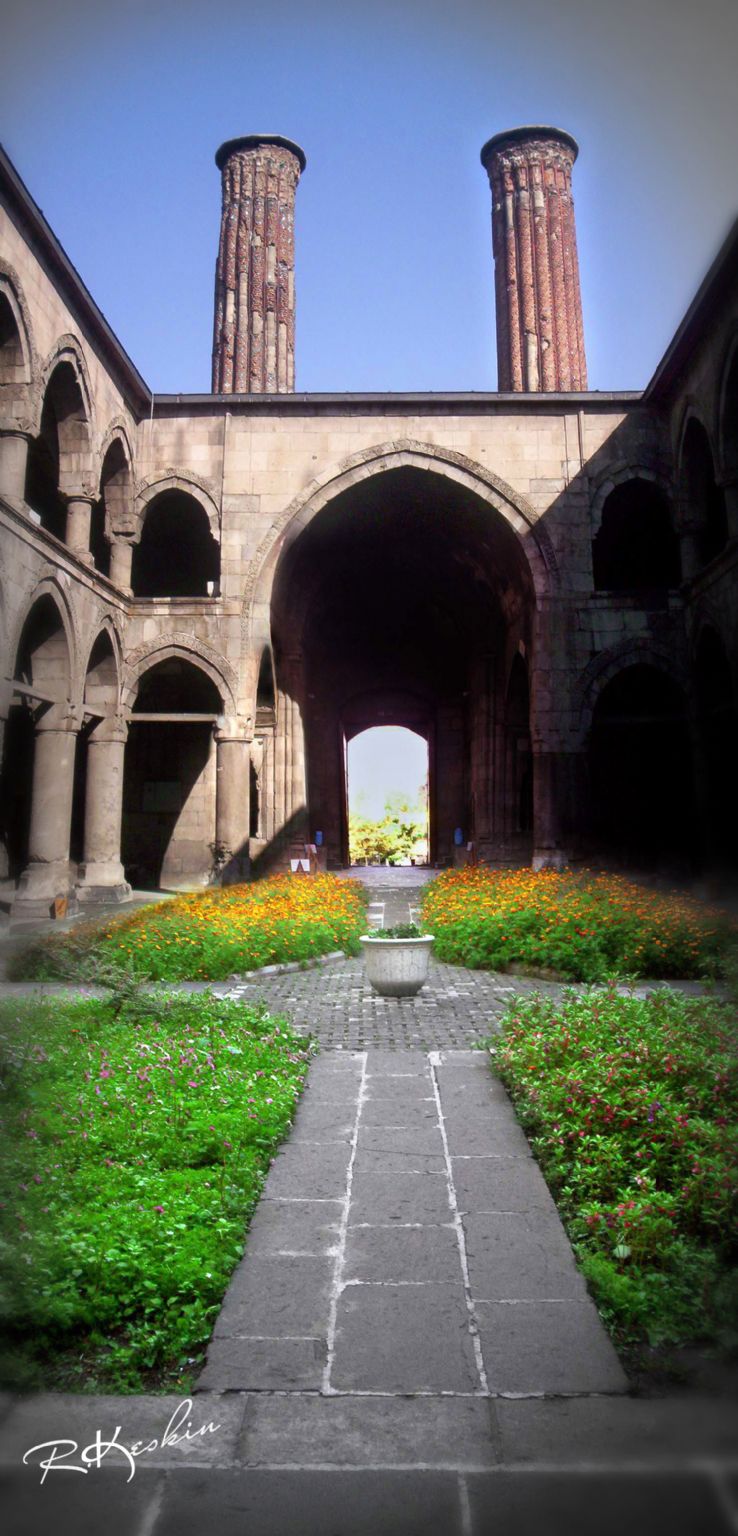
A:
(407, 584)
(387, 781)
(40, 691)
(641, 780)
(177, 555)
(169, 784)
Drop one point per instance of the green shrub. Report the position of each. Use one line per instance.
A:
(631, 1106)
(135, 1145)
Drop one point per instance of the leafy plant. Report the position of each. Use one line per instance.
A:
(631, 1106)
(135, 1145)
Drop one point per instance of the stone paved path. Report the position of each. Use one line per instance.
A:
(406, 1243)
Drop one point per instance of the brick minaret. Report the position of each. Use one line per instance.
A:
(540, 337)
(254, 333)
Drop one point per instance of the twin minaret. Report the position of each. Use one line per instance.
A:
(540, 337)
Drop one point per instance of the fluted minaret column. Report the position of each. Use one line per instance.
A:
(254, 333)
(540, 336)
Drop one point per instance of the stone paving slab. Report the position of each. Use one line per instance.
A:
(404, 1338)
(402, 1253)
(550, 1347)
(500, 1184)
(282, 1430)
(520, 1256)
(260, 1502)
(583, 1504)
(276, 1296)
(308, 1228)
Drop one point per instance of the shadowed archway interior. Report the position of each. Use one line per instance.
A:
(402, 603)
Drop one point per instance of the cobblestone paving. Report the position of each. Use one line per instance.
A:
(337, 1006)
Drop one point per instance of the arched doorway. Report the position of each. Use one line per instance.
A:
(169, 785)
(641, 780)
(387, 786)
(406, 584)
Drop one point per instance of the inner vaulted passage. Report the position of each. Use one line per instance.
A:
(408, 601)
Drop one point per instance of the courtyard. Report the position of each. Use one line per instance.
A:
(408, 1342)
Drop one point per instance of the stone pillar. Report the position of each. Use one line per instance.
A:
(254, 331)
(79, 514)
(555, 776)
(730, 492)
(121, 558)
(690, 550)
(540, 334)
(5, 701)
(49, 873)
(233, 759)
(13, 460)
(101, 877)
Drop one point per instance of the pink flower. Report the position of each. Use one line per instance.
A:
(159, 1210)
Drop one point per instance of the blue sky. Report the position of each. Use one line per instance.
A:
(112, 113)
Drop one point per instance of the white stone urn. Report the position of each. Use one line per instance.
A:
(396, 967)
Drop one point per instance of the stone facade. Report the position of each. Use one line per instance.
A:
(203, 598)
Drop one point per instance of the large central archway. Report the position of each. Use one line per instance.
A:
(407, 599)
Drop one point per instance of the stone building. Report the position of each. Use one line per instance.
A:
(204, 597)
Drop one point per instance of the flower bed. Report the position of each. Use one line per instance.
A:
(134, 1150)
(631, 1107)
(209, 934)
(585, 927)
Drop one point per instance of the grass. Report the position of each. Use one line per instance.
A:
(631, 1107)
(208, 934)
(583, 927)
(136, 1137)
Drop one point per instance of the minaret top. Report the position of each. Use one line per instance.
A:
(254, 141)
(523, 135)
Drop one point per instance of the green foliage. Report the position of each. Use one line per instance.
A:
(582, 926)
(205, 935)
(401, 834)
(135, 1144)
(631, 1106)
(401, 931)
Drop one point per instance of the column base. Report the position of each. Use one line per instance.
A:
(550, 858)
(236, 871)
(102, 876)
(91, 893)
(39, 888)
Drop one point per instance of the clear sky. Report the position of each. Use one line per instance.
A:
(385, 760)
(112, 112)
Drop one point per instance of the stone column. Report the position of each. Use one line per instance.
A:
(540, 335)
(254, 331)
(690, 552)
(49, 873)
(13, 460)
(121, 558)
(101, 877)
(558, 797)
(730, 492)
(79, 514)
(233, 759)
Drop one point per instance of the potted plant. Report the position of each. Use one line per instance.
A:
(396, 959)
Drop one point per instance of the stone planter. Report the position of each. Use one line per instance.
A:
(396, 967)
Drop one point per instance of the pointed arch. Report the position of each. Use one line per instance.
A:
(533, 539)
